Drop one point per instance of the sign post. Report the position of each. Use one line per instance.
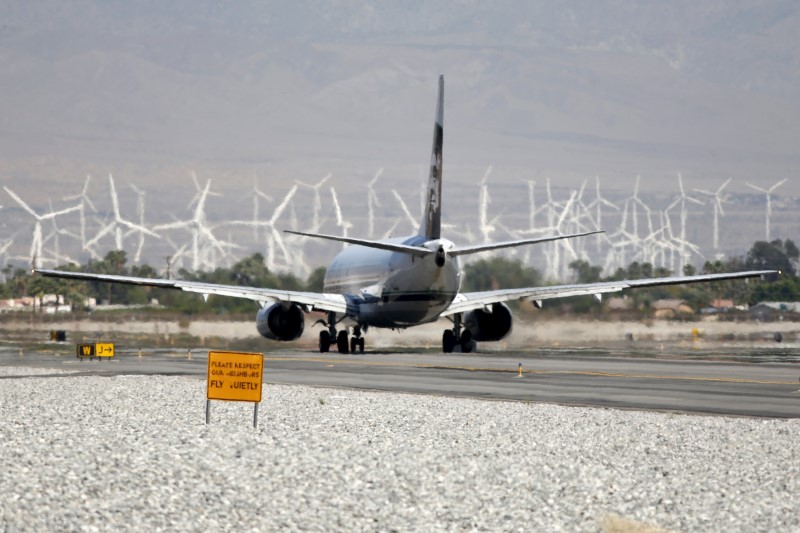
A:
(234, 376)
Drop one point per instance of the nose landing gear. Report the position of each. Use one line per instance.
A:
(329, 336)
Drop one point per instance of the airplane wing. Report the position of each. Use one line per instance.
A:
(311, 300)
(468, 301)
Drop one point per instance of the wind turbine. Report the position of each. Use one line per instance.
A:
(597, 205)
(768, 194)
(315, 221)
(718, 199)
(140, 211)
(276, 237)
(340, 221)
(85, 200)
(36, 241)
(681, 200)
(560, 268)
(372, 203)
(484, 200)
(201, 192)
(273, 235)
(627, 234)
(256, 195)
(118, 223)
(201, 234)
(54, 237)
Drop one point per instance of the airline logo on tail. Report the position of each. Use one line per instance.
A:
(432, 222)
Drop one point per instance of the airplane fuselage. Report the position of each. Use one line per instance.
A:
(395, 290)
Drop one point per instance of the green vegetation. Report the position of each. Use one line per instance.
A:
(488, 274)
(480, 275)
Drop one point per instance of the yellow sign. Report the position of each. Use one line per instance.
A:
(104, 349)
(98, 349)
(235, 376)
(86, 350)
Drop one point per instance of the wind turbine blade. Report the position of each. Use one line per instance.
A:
(21, 203)
(279, 210)
(137, 227)
(404, 207)
(59, 213)
(114, 199)
(373, 180)
(173, 225)
(777, 185)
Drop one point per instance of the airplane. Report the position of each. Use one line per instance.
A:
(401, 282)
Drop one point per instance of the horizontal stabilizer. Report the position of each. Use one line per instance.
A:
(465, 250)
(392, 247)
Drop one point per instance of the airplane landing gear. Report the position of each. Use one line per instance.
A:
(344, 343)
(324, 341)
(466, 342)
(453, 337)
(329, 336)
(448, 341)
(341, 341)
(357, 341)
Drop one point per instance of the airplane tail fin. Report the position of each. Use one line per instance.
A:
(431, 227)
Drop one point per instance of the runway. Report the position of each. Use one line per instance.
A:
(729, 382)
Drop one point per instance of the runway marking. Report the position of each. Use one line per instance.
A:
(684, 378)
(534, 371)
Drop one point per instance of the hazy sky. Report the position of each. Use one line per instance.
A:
(298, 89)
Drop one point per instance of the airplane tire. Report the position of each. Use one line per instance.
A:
(467, 344)
(353, 344)
(324, 341)
(341, 342)
(361, 345)
(448, 341)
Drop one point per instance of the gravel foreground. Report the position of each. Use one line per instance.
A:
(133, 453)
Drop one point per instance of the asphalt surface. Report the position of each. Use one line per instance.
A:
(743, 381)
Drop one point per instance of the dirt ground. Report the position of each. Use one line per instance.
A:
(549, 332)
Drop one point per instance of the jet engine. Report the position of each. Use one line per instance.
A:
(486, 326)
(280, 323)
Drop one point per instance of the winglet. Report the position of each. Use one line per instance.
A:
(431, 227)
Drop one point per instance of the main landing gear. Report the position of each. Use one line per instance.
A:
(344, 344)
(455, 337)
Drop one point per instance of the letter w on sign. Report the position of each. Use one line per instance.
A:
(86, 350)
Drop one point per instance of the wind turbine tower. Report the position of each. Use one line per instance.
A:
(681, 200)
(717, 206)
(372, 203)
(768, 193)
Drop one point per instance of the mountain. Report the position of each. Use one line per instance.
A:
(278, 91)
(301, 88)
